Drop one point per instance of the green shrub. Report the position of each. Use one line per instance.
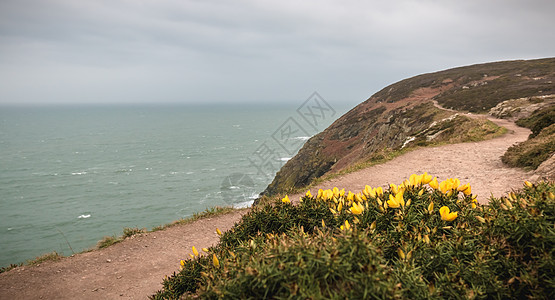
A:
(340, 245)
(538, 120)
(532, 152)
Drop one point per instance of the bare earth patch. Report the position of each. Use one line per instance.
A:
(134, 268)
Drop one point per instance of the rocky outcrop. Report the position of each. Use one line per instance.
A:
(515, 109)
(546, 171)
(404, 113)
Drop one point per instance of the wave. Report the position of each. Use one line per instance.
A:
(243, 204)
(84, 216)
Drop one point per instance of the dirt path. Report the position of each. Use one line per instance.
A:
(477, 163)
(132, 269)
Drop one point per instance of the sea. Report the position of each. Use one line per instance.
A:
(71, 175)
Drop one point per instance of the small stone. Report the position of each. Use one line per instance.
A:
(108, 260)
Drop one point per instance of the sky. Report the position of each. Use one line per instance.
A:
(251, 51)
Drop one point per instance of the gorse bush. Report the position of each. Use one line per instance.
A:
(417, 240)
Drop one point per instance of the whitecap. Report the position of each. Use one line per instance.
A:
(243, 204)
(79, 173)
(285, 158)
(302, 138)
(84, 217)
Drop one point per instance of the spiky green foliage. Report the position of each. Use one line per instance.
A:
(503, 250)
(532, 152)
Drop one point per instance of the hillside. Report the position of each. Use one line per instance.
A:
(405, 115)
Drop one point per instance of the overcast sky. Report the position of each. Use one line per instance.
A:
(183, 51)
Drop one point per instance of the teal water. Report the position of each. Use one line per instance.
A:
(82, 173)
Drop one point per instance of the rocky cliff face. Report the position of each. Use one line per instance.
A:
(402, 112)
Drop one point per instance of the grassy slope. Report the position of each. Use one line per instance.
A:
(389, 117)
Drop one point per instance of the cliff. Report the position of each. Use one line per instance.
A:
(405, 114)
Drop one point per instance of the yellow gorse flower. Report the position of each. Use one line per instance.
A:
(426, 178)
(394, 188)
(195, 252)
(397, 201)
(415, 180)
(215, 261)
(286, 200)
(528, 184)
(218, 231)
(182, 264)
(446, 186)
(347, 226)
(446, 215)
(327, 194)
(434, 184)
(335, 192)
(466, 189)
(357, 208)
(308, 194)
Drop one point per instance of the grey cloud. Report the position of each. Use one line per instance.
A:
(148, 51)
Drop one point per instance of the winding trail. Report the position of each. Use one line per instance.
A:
(478, 163)
(134, 268)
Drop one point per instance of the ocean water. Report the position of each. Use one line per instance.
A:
(76, 174)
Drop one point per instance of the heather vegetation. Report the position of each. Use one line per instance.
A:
(421, 239)
(540, 145)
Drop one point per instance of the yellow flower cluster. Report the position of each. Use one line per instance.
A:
(450, 185)
(215, 260)
(446, 215)
(356, 203)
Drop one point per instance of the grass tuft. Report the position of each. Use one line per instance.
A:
(129, 232)
(108, 241)
(53, 256)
